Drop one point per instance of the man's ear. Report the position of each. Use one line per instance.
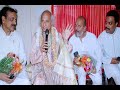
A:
(3, 19)
(85, 28)
(116, 23)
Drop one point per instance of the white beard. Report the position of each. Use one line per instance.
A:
(78, 34)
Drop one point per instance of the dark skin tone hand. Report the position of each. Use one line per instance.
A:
(5, 77)
(114, 61)
(44, 47)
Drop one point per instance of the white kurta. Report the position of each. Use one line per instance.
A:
(89, 45)
(13, 43)
(110, 44)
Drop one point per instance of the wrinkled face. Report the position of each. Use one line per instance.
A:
(110, 24)
(10, 21)
(80, 28)
(46, 21)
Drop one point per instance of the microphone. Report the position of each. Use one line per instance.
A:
(46, 37)
(46, 33)
(76, 54)
(11, 76)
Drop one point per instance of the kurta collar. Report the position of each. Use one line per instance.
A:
(4, 34)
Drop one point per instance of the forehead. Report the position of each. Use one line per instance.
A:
(110, 19)
(80, 21)
(46, 16)
(11, 14)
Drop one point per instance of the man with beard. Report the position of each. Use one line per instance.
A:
(109, 40)
(11, 42)
(86, 43)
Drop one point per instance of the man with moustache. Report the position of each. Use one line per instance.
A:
(109, 40)
(11, 42)
(85, 43)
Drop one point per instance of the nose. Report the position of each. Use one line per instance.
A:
(106, 24)
(44, 24)
(15, 22)
(76, 27)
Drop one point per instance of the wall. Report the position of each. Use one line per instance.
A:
(28, 21)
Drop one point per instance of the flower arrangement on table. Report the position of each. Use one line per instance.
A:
(10, 65)
(86, 62)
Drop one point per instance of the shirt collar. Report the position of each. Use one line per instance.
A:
(4, 34)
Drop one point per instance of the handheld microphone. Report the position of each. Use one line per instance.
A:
(46, 37)
(11, 76)
(76, 54)
(46, 33)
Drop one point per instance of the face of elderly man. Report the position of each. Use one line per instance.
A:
(80, 26)
(46, 21)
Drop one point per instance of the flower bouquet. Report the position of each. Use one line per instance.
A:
(87, 62)
(10, 65)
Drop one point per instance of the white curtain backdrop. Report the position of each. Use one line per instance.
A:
(28, 21)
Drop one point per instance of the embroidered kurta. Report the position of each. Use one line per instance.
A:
(55, 67)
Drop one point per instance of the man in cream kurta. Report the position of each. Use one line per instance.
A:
(52, 66)
(109, 40)
(12, 43)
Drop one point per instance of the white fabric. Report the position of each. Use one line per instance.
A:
(89, 46)
(96, 78)
(21, 79)
(110, 44)
(13, 43)
(62, 72)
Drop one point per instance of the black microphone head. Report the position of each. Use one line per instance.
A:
(76, 54)
(118, 58)
(47, 32)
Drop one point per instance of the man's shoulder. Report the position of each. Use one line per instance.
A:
(118, 29)
(102, 34)
(0, 29)
(56, 31)
(37, 32)
(91, 35)
(72, 37)
(17, 35)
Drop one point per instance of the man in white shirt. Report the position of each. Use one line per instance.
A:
(11, 41)
(109, 40)
(85, 43)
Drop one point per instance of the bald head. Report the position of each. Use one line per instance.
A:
(46, 22)
(46, 12)
(80, 26)
(81, 18)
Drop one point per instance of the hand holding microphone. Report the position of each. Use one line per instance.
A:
(76, 60)
(46, 38)
(45, 45)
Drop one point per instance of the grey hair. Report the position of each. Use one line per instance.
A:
(52, 17)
